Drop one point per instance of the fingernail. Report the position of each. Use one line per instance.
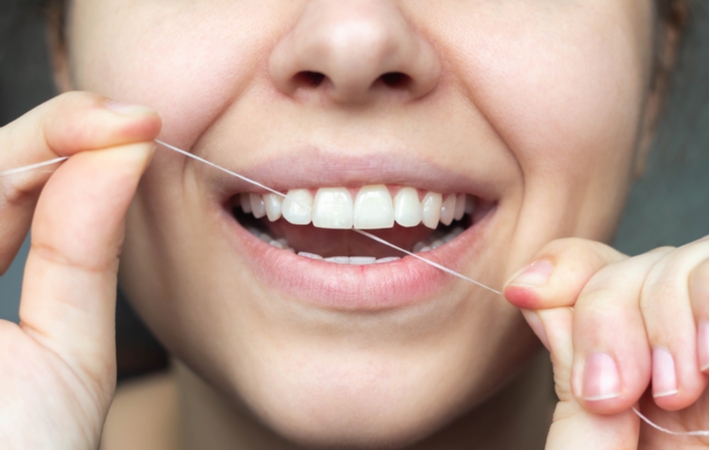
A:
(664, 378)
(533, 320)
(127, 109)
(601, 378)
(534, 275)
(703, 345)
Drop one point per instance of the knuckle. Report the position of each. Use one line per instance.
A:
(15, 193)
(67, 124)
(580, 249)
(56, 257)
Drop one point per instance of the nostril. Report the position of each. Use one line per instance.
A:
(397, 80)
(309, 79)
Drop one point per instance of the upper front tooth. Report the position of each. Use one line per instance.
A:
(297, 206)
(431, 209)
(257, 205)
(447, 209)
(273, 204)
(245, 200)
(373, 208)
(460, 207)
(333, 208)
(407, 208)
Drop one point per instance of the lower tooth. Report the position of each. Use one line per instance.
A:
(387, 259)
(362, 260)
(338, 259)
(454, 234)
(277, 244)
(418, 247)
(266, 238)
(437, 243)
(310, 255)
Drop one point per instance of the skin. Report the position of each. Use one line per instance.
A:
(516, 94)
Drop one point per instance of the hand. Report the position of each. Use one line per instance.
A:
(622, 331)
(58, 367)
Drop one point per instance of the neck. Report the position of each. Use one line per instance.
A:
(525, 405)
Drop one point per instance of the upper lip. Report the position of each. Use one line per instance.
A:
(311, 167)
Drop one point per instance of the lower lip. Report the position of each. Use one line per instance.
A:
(370, 287)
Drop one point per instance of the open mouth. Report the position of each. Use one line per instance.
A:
(318, 223)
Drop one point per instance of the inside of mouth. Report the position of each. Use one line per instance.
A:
(332, 243)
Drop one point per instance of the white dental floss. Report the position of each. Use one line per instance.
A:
(33, 166)
(364, 233)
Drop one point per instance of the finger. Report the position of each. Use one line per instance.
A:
(667, 311)
(559, 273)
(573, 426)
(63, 126)
(69, 287)
(698, 289)
(612, 364)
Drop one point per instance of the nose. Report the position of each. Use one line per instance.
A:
(352, 51)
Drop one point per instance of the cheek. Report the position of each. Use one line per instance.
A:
(564, 89)
(189, 63)
(562, 86)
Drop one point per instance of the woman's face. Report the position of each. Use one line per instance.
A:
(532, 109)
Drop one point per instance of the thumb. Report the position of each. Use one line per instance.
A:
(572, 425)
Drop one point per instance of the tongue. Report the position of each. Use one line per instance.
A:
(326, 242)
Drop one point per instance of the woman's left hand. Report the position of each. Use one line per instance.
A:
(622, 332)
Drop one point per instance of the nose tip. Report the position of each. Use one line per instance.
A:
(350, 51)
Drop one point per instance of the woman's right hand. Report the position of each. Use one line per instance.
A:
(58, 366)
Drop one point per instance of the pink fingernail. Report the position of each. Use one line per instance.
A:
(534, 275)
(664, 377)
(127, 109)
(703, 345)
(601, 378)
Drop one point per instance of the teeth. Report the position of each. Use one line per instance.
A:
(338, 259)
(362, 260)
(350, 260)
(453, 234)
(277, 244)
(310, 255)
(470, 205)
(431, 209)
(373, 208)
(418, 247)
(298, 206)
(333, 208)
(447, 209)
(245, 201)
(407, 208)
(460, 209)
(257, 205)
(387, 259)
(273, 204)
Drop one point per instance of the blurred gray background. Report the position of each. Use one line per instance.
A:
(668, 206)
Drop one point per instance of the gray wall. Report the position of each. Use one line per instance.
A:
(668, 206)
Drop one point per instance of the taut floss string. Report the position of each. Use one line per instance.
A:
(364, 233)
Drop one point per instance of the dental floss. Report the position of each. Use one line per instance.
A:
(234, 174)
(431, 263)
(33, 166)
(701, 433)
